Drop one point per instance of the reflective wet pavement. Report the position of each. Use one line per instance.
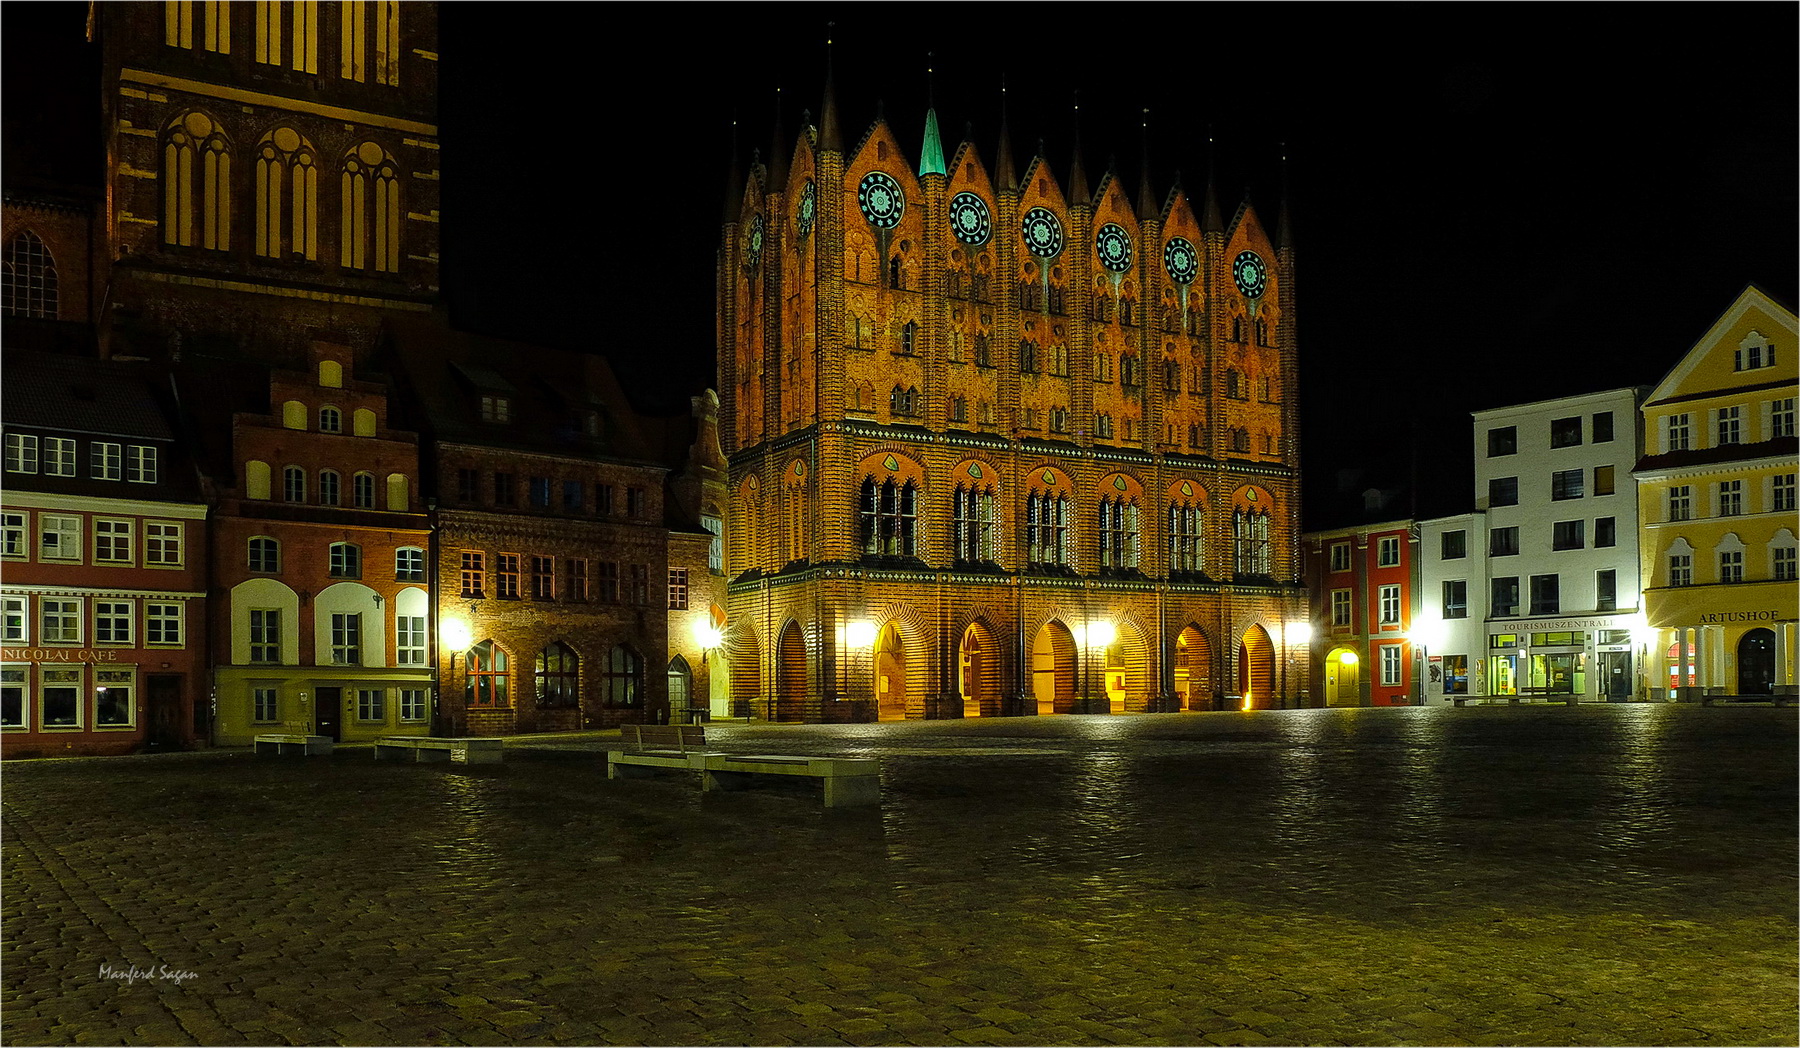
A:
(1523, 875)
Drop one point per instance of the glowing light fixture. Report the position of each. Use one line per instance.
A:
(859, 634)
(1100, 634)
(1299, 631)
(1348, 658)
(1427, 631)
(455, 634)
(708, 635)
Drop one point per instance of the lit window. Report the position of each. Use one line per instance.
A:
(59, 620)
(474, 574)
(486, 684)
(409, 640)
(59, 537)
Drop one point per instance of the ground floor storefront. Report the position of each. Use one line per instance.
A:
(100, 701)
(875, 646)
(340, 703)
(1718, 641)
(1594, 658)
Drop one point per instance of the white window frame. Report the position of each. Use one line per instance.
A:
(68, 532)
(1678, 433)
(12, 536)
(115, 622)
(60, 677)
(59, 456)
(15, 620)
(1782, 493)
(344, 561)
(1389, 597)
(371, 705)
(1730, 499)
(265, 705)
(264, 632)
(346, 638)
(1681, 502)
(140, 464)
(21, 453)
(409, 564)
(1729, 423)
(163, 544)
(1387, 551)
(1731, 565)
(1391, 664)
(68, 612)
(16, 676)
(106, 460)
(111, 533)
(412, 703)
(250, 553)
(1340, 556)
(409, 640)
(1342, 607)
(106, 679)
(1781, 417)
(165, 624)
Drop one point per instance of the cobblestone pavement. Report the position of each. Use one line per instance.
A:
(1533, 875)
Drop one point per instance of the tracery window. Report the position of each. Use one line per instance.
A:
(558, 676)
(974, 531)
(196, 183)
(886, 517)
(287, 196)
(1119, 533)
(486, 684)
(371, 210)
(1047, 529)
(30, 278)
(1187, 545)
(624, 677)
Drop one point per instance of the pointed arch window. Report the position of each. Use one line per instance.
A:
(30, 278)
(1187, 547)
(1250, 532)
(558, 677)
(287, 196)
(1119, 533)
(196, 181)
(624, 678)
(1047, 529)
(371, 210)
(296, 22)
(887, 514)
(485, 686)
(974, 527)
(367, 25)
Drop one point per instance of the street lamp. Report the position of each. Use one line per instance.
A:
(859, 635)
(453, 632)
(1293, 632)
(1427, 632)
(1098, 633)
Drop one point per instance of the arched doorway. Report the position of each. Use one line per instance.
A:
(979, 675)
(1053, 669)
(1343, 678)
(890, 674)
(681, 692)
(790, 674)
(1256, 669)
(1193, 670)
(746, 674)
(1756, 662)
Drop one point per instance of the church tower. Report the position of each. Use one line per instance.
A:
(1003, 442)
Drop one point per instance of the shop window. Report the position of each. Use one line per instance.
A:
(114, 702)
(59, 693)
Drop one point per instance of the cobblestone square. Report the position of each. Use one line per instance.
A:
(1618, 874)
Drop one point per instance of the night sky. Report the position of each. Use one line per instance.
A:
(1492, 203)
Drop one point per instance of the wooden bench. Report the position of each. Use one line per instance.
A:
(1568, 698)
(424, 748)
(305, 745)
(848, 781)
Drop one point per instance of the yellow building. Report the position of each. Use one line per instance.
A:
(1717, 509)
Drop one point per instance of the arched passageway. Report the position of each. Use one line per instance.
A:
(979, 672)
(890, 674)
(790, 675)
(1193, 670)
(1053, 669)
(1256, 669)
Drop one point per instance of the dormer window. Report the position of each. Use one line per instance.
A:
(496, 409)
(1756, 351)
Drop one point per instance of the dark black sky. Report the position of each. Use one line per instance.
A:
(1492, 203)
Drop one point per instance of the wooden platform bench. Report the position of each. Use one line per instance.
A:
(424, 748)
(305, 745)
(849, 781)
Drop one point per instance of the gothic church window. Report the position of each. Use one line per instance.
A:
(1047, 529)
(1119, 533)
(886, 516)
(30, 278)
(371, 210)
(974, 531)
(1186, 538)
(287, 196)
(295, 20)
(1250, 532)
(196, 182)
(363, 21)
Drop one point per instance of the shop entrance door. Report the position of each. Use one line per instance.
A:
(1756, 663)
(1615, 675)
(328, 706)
(164, 693)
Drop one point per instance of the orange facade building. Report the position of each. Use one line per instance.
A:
(1003, 442)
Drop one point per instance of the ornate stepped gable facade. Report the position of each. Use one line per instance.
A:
(978, 418)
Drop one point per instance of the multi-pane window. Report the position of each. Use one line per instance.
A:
(265, 635)
(1387, 552)
(715, 550)
(13, 617)
(1731, 425)
(412, 704)
(885, 518)
(1503, 491)
(1784, 563)
(468, 485)
(1047, 528)
(678, 589)
(640, 583)
(1681, 502)
(105, 461)
(363, 491)
(30, 288)
(331, 420)
(1546, 596)
(1505, 596)
(608, 577)
(1252, 551)
(575, 579)
(346, 638)
(1503, 441)
(409, 564)
(1390, 664)
(1340, 607)
(265, 555)
(1568, 534)
(1781, 492)
(112, 621)
(1606, 532)
(140, 464)
(1731, 498)
(486, 684)
(496, 409)
(369, 232)
(1118, 533)
(1340, 556)
(371, 704)
(1453, 545)
(474, 574)
(624, 674)
(558, 677)
(1781, 418)
(1565, 432)
(1606, 590)
(1567, 484)
(162, 543)
(1389, 597)
(1503, 542)
(113, 705)
(409, 640)
(293, 484)
(1187, 544)
(506, 576)
(345, 560)
(974, 533)
(1681, 569)
(21, 453)
(112, 541)
(329, 487)
(59, 457)
(162, 624)
(59, 620)
(1456, 599)
(1731, 565)
(543, 578)
(59, 537)
(12, 534)
(1678, 432)
(265, 705)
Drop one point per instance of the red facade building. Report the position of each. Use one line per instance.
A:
(1360, 581)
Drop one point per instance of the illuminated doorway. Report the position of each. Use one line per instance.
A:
(1113, 677)
(890, 675)
(1053, 669)
(1193, 670)
(1756, 662)
(746, 674)
(790, 675)
(1256, 669)
(1343, 678)
(979, 672)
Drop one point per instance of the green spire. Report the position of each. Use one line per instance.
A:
(931, 156)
